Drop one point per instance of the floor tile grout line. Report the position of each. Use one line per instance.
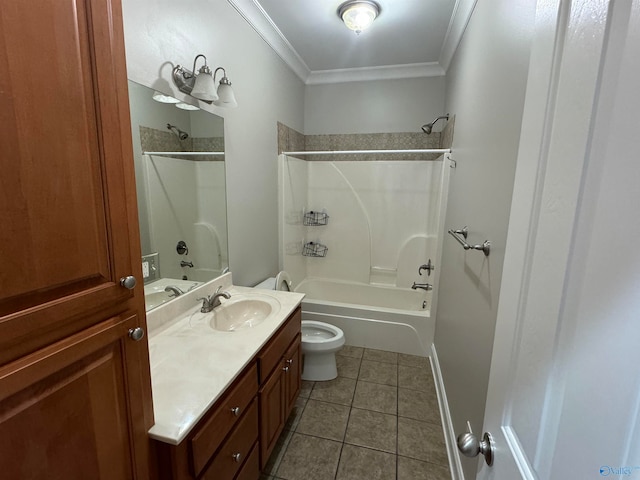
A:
(408, 391)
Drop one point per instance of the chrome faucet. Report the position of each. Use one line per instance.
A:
(423, 286)
(213, 301)
(176, 290)
(186, 264)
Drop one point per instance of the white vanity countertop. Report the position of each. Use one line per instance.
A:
(193, 364)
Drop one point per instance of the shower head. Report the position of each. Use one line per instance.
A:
(429, 126)
(181, 134)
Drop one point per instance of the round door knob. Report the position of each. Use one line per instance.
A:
(236, 457)
(235, 411)
(136, 333)
(470, 446)
(128, 282)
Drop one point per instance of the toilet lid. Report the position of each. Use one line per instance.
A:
(283, 282)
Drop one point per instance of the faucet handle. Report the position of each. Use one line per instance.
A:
(429, 267)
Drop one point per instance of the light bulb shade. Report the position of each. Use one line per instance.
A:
(204, 87)
(186, 106)
(226, 97)
(162, 98)
(358, 15)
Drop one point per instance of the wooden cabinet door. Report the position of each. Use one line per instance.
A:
(66, 411)
(293, 376)
(272, 416)
(67, 192)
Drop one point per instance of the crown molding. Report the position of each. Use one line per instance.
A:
(258, 19)
(462, 11)
(386, 72)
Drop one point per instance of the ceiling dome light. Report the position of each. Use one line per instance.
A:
(358, 15)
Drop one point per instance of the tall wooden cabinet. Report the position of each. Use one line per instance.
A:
(75, 393)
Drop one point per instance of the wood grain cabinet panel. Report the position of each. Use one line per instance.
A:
(279, 392)
(64, 410)
(68, 216)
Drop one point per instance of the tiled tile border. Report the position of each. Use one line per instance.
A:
(290, 140)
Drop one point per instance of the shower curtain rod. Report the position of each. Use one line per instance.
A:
(342, 152)
(182, 153)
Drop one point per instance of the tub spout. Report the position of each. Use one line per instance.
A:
(423, 286)
(175, 290)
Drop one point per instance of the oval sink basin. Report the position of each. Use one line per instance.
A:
(239, 314)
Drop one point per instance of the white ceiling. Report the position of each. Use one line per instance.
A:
(410, 38)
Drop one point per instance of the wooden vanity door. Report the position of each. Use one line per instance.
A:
(65, 409)
(67, 193)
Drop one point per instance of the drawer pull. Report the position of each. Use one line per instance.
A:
(236, 457)
(236, 411)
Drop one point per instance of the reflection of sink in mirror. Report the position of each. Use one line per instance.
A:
(155, 293)
(238, 313)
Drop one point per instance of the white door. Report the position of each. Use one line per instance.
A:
(564, 389)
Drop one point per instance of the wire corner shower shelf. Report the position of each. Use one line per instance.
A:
(313, 249)
(315, 219)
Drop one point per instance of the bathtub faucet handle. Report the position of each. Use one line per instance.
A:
(429, 267)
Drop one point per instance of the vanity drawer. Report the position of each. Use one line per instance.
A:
(271, 355)
(237, 448)
(225, 416)
(251, 468)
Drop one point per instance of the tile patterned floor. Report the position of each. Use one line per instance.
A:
(379, 420)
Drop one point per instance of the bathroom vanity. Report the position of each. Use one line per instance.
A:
(224, 382)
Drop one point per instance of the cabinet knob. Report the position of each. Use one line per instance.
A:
(136, 333)
(236, 457)
(289, 362)
(128, 282)
(285, 369)
(235, 411)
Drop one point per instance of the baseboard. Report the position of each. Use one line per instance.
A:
(447, 425)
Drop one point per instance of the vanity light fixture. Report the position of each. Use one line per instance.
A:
(358, 15)
(201, 85)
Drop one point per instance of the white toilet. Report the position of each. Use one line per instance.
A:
(320, 341)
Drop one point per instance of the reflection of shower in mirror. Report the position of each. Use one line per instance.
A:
(181, 134)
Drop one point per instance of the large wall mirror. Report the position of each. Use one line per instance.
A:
(180, 179)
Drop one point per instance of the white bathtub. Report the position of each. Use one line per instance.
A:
(385, 318)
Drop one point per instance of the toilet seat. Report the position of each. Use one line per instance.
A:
(283, 282)
(320, 336)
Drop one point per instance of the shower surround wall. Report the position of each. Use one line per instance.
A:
(384, 209)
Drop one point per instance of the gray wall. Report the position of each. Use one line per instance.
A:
(485, 90)
(160, 31)
(402, 105)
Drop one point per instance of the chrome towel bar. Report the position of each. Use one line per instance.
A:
(463, 232)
